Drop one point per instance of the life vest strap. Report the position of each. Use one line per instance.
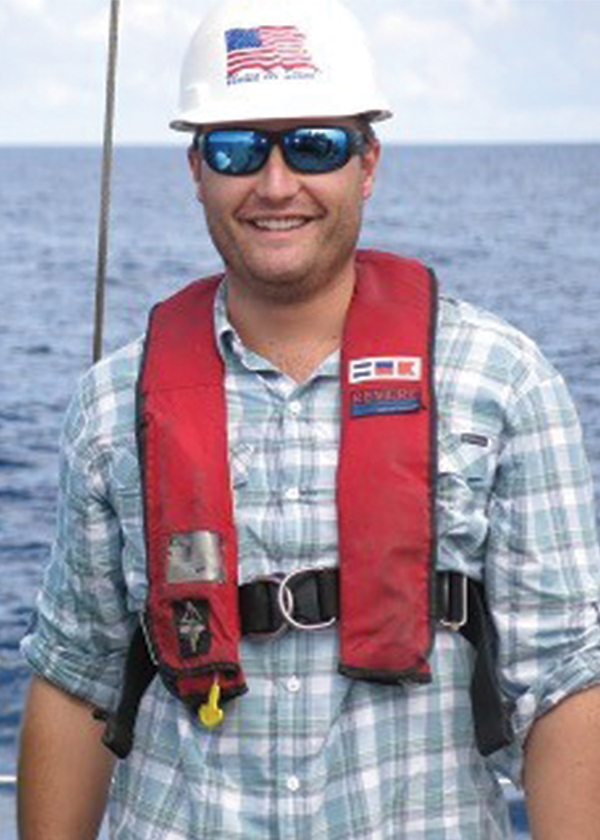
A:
(491, 714)
(140, 670)
(316, 600)
(310, 597)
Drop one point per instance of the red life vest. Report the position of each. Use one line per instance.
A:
(385, 485)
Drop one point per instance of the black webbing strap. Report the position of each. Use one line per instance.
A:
(139, 673)
(315, 600)
(491, 714)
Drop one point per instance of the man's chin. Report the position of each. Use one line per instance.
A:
(285, 288)
(279, 281)
(287, 278)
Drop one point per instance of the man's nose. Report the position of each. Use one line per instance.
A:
(276, 181)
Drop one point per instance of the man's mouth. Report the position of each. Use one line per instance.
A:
(279, 224)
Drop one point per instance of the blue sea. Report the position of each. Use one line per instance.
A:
(515, 229)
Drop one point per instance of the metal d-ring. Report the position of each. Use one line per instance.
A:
(285, 600)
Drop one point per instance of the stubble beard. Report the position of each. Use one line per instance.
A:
(293, 285)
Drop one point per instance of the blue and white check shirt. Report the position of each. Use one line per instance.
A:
(308, 754)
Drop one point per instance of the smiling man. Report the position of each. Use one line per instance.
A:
(285, 217)
(326, 562)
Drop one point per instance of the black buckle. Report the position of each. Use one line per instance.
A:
(305, 599)
(260, 615)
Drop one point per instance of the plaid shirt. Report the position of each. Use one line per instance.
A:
(308, 753)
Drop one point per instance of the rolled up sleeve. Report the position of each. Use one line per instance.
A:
(542, 568)
(82, 624)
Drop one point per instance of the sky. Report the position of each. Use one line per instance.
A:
(454, 70)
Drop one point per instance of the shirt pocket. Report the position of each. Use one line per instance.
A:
(470, 454)
(467, 460)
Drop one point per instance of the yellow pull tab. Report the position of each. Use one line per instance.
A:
(210, 714)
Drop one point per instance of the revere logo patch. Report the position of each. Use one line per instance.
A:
(377, 401)
(399, 368)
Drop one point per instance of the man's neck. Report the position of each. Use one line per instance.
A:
(296, 337)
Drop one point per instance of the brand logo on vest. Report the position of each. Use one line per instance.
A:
(193, 631)
(368, 402)
(376, 368)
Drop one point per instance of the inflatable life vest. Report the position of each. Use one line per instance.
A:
(385, 485)
(384, 592)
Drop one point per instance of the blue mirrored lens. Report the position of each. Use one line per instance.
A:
(317, 149)
(235, 152)
(241, 151)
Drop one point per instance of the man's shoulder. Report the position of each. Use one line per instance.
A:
(462, 318)
(118, 371)
(106, 395)
(460, 314)
(479, 340)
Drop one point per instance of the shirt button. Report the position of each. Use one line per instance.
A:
(293, 783)
(295, 408)
(293, 685)
(292, 494)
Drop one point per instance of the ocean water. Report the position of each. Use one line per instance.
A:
(515, 229)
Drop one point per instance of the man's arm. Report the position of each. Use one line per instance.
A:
(64, 770)
(562, 770)
(542, 576)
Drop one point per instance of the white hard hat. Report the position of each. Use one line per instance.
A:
(277, 59)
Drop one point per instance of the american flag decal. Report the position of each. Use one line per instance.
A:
(400, 368)
(266, 48)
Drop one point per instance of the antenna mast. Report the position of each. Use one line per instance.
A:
(107, 158)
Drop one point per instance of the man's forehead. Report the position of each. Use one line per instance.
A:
(285, 124)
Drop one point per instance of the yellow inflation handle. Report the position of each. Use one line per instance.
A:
(210, 714)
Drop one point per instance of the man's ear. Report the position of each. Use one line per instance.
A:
(369, 162)
(195, 164)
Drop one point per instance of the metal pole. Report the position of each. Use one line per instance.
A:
(107, 155)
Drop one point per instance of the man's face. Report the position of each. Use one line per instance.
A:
(284, 235)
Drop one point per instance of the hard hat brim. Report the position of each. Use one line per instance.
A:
(190, 124)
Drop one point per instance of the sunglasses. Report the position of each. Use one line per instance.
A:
(308, 150)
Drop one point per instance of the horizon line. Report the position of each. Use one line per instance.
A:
(124, 144)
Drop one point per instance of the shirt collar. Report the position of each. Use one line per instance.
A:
(230, 346)
(224, 331)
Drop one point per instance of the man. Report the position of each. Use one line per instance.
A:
(283, 448)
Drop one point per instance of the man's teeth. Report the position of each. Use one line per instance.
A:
(278, 224)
